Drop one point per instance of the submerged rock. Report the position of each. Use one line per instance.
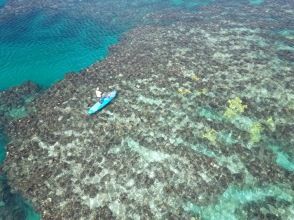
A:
(14, 102)
(147, 154)
(14, 106)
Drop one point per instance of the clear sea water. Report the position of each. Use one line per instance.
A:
(2, 2)
(43, 44)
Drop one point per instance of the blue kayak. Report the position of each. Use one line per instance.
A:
(105, 100)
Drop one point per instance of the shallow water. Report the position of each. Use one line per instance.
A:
(2, 149)
(42, 45)
(45, 42)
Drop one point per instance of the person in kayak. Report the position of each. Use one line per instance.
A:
(101, 95)
(104, 100)
(98, 93)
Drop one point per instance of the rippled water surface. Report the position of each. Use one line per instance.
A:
(42, 46)
(42, 43)
(202, 127)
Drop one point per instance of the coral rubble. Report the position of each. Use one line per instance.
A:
(164, 149)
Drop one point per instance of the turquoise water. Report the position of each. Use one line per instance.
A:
(2, 2)
(235, 197)
(256, 2)
(2, 148)
(12, 204)
(190, 4)
(41, 46)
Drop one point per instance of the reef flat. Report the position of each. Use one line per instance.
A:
(202, 127)
(13, 106)
(14, 101)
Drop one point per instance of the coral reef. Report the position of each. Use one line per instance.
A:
(14, 106)
(235, 108)
(14, 102)
(164, 149)
(255, 132)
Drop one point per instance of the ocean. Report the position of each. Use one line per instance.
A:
(202, 127)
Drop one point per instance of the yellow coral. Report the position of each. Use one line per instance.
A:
(184, 91)
(255, 132)
(195, 78)
(210, 135)
(271, 124)
(235, 108)
(291, 105)
(203, 91)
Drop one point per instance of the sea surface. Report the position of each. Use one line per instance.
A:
(43, 44)
(41, 41)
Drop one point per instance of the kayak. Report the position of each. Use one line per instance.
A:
(105, 100)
